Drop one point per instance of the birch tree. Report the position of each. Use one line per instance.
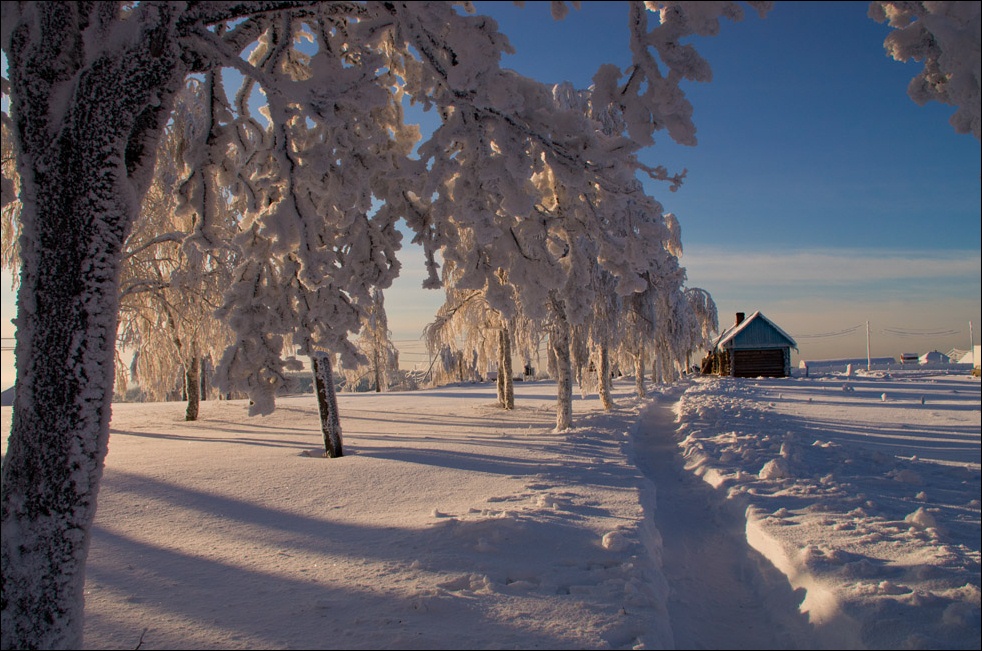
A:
(702, 307)
(466, 326)
(375, 344)
(311, 182)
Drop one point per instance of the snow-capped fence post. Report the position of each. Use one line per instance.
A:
(327, 404)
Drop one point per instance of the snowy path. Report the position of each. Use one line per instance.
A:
(723, 594)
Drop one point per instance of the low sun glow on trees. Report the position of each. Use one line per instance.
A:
(148, 195)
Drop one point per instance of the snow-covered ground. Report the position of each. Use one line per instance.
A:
(831, 511)
(863, 490)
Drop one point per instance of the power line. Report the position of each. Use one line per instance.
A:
(829, 335)
(904, 332)
(891, 331)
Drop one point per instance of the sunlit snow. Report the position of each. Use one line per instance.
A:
(716, 513)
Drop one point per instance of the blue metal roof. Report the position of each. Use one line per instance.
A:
(755, 332)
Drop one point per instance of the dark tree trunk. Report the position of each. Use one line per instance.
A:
(603, 378)
(506, 383)
(378, 370)
(499, 380)
(639, 373)
(192, 384)
(205, 366)
(559, 341)
(564, 386)
(327, 404)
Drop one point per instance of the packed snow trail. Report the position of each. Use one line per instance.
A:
(723, 594)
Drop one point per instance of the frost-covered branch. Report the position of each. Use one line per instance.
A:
(945, 36)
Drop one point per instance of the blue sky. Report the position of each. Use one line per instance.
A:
(818, 193)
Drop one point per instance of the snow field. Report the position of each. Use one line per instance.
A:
(717, 513)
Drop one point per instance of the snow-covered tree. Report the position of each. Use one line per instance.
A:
(374, 342)
(448, 346)
(603, 333)
(171, 282)
(466, 326)
(312, 180)
(702, 307)
(671, 341)
(92, 87)
(640, 321)
(946, 37)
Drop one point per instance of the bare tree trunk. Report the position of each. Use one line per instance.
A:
(327, 404)
(579, 353)
(499, 382)
(603, 378)
(205, 366)
(506, 383)
(192, 385)
(657, 375)
(668, 368)
(378, 370)
(559, 339)
(639, 373)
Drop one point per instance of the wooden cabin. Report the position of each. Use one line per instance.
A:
(753, 347)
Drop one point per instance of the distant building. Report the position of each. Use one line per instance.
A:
(753, 347)
(957, 354)
(934, 357)
(973, 357)
(840, 365)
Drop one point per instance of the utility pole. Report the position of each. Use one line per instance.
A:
(869, 362)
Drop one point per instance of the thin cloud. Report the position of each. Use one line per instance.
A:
(817, 267)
